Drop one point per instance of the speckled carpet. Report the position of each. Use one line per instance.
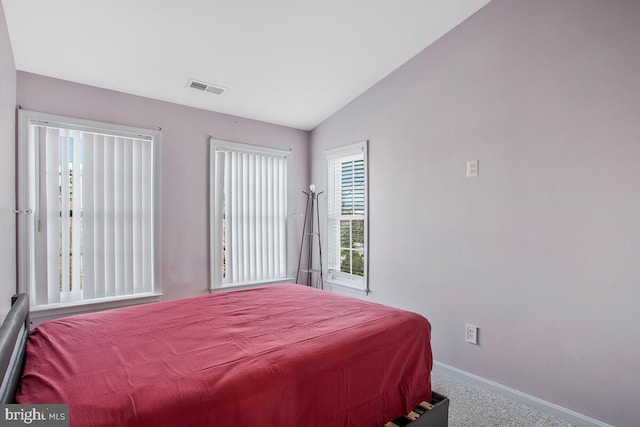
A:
(471, 406)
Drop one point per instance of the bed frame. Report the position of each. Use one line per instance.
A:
(426, 414)
(13, 342)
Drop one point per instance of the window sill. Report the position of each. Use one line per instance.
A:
(57, 310)
(240, 286)
(344, 289)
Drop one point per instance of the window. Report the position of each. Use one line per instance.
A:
(347, 215)
(89, 233)
(249, 214)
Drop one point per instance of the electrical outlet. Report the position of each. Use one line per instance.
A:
(473, 168)
(471, 334)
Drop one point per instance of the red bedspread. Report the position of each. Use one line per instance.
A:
(284, 355)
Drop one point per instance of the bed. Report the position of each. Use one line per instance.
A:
(283, 355)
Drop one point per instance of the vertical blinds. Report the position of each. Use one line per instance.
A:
(250, 221)
(94, 215)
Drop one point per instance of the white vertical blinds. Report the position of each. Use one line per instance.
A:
(96, 210)
(249, 219)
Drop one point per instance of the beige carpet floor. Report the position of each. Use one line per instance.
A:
(471, 406)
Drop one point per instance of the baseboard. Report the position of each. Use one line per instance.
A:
(526, 399)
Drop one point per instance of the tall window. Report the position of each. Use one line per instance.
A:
(89, 233)
(249, 214)
(347, 215)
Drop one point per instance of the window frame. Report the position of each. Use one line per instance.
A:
(337, 277)
(215, 229)
(25, 230)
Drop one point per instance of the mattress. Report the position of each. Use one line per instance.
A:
(283, 355)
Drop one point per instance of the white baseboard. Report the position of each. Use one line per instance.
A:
(526, 399)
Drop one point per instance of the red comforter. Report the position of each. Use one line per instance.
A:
(284, 355)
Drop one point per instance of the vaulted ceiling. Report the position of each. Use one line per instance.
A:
(288, 62)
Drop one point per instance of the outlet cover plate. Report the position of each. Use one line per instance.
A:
(471, 334)
(473, 168)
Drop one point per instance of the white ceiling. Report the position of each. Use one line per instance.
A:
(289, 62)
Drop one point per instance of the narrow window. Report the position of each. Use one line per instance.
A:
(347, 216)
(249, 214)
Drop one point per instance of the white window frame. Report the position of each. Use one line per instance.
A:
(336, 277)
(26, 208)
(216, 214)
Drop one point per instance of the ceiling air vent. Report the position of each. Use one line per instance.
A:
(205, 87)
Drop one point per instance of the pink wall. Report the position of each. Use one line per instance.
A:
(542, 250)
(184, 244)
(7, 169)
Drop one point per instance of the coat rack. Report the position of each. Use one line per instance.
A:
(313, 238)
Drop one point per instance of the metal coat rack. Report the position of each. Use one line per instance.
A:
(313, 237)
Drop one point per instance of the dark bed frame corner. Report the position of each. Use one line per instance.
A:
(436, 415)
(13, 343)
